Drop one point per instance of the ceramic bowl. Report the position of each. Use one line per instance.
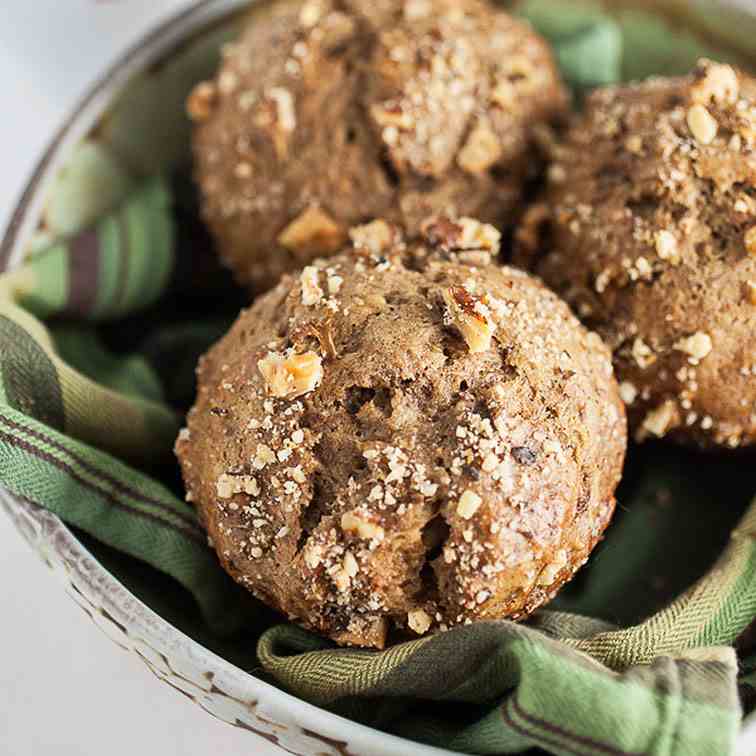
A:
(130, 124)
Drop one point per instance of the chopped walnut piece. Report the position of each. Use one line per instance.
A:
(481, 151)
(419, 621)
(310, 13)
(503, 94)
(201, 100)
(313, 555)
(550, 571)
(285, 113)
(751, 291)
(388, 114)
(350, 565)
(224, 486)
(313, 231)
(312, 294)
(557, 173)
(661, 419)
(376, 236)
(288, 377)
(277, 113)
(477, 235)
(264, 455)
(228, 485)
(750, 241)
(643, 354)
(628, 392)
(470, 317)
(468, 504)
(666, 246)
(715, 81)
(334, 284)
(461, 234)
(341, 580)
(634, 144)
(351, 523)
(702, 124)
(697, 346)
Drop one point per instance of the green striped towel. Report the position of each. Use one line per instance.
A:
(651, 650)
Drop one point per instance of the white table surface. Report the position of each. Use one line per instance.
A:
(65, 689)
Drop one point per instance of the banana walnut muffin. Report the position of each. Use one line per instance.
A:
(330, 113)
(651, 236)
(405, 437)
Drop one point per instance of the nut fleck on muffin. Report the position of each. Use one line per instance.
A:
(651, 236)
(327, 114)
(405, 437)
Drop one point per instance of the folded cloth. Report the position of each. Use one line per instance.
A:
(652, 650)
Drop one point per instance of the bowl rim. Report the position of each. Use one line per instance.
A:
(88, 582)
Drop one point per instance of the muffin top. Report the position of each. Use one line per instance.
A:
(405, 436)
(327, 114)
(651, 237)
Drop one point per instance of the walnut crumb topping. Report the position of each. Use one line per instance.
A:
(419, 621)
(286, 117)
(628, 392)
(481, 151)
(471, 317)
(715, 82)
(312, 294)
(453, 235)
(750, 241)
(313, 556)
(310, 13)
(661, 419)
(376, 237)
(201, 101)
(342, 577)
(312, 230)
(751, 291)
(702, 124)
(643, 354)
(351, 523)
(228, 485)
(697, 346)
(291, 375)
(666, 246)
(468, 505)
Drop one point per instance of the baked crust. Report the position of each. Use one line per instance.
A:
(328, 113)
(651, 236)
(405, 436)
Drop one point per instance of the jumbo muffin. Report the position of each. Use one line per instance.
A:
(328, 114)
(405, 436)
(652, 238)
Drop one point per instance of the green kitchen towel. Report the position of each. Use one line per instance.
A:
(651, 649)
(62, 428)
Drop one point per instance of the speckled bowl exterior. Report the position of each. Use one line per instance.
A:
(115, 135)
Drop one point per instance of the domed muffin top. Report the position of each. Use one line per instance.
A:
(405, 435)
(652, 239)
(326, 114)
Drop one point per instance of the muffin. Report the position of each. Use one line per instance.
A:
(405, 437)
(650, 234)
(329, 114)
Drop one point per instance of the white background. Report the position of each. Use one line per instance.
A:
(65, 689)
